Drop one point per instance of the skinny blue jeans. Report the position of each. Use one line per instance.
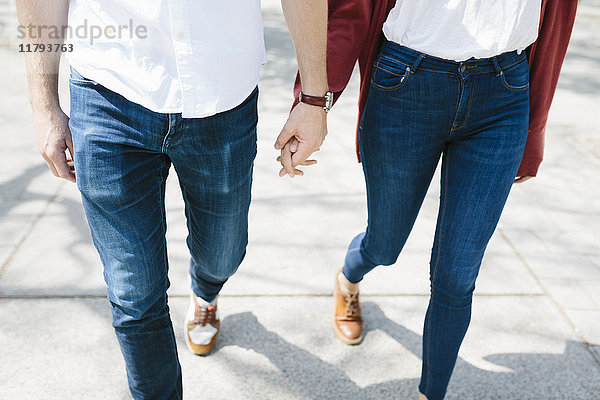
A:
(123, 153)
(472, 114)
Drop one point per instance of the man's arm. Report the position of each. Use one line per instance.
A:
(306, 127)
(51, 123)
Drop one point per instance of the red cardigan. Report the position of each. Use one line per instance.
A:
(355, 33)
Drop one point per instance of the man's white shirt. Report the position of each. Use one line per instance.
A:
(195, 57)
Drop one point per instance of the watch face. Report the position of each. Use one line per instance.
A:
(328, 101)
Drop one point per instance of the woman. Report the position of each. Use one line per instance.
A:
(451, 81)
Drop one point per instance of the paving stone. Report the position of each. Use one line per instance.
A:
(525, 241)
(516, 348)
(587, 323)
(12, 232)
(5, 252)
(573, 294)
(565, 266)
(57, 258)
(592, 289)
(21, 210)
(571, 242)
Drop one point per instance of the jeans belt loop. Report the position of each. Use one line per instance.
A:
(496, 66)
(417, 62)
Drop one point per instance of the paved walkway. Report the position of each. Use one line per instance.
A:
(536, 318)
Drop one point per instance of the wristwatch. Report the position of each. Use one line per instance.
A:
(326, 101)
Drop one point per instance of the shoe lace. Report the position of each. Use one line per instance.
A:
(205, 315)
(352, 305)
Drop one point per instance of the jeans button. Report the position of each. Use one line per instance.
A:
(462, 68)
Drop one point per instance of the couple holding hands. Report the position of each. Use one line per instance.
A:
(467, 81)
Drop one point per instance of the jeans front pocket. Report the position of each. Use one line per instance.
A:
(77, 78)
(516, 77)
(389, 74)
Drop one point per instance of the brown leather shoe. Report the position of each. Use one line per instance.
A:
(201, 326)
(347, 323)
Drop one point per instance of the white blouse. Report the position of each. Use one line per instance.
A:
(195, 57)
(462, 29)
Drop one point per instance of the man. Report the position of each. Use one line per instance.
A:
(167, 82)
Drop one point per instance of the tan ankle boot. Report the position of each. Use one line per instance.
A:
(347, 323)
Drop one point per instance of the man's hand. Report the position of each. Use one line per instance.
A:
(54, 139)
(302, 135)
(521, 179)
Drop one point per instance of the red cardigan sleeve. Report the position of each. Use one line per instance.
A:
(546, 56)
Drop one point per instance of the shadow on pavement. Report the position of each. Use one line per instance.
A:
(532, 376)
(14, 188)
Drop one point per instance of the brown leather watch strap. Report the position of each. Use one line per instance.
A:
(313, 100)
(326, 101)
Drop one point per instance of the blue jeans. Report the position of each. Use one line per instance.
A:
(473, 114)
(123, 152)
